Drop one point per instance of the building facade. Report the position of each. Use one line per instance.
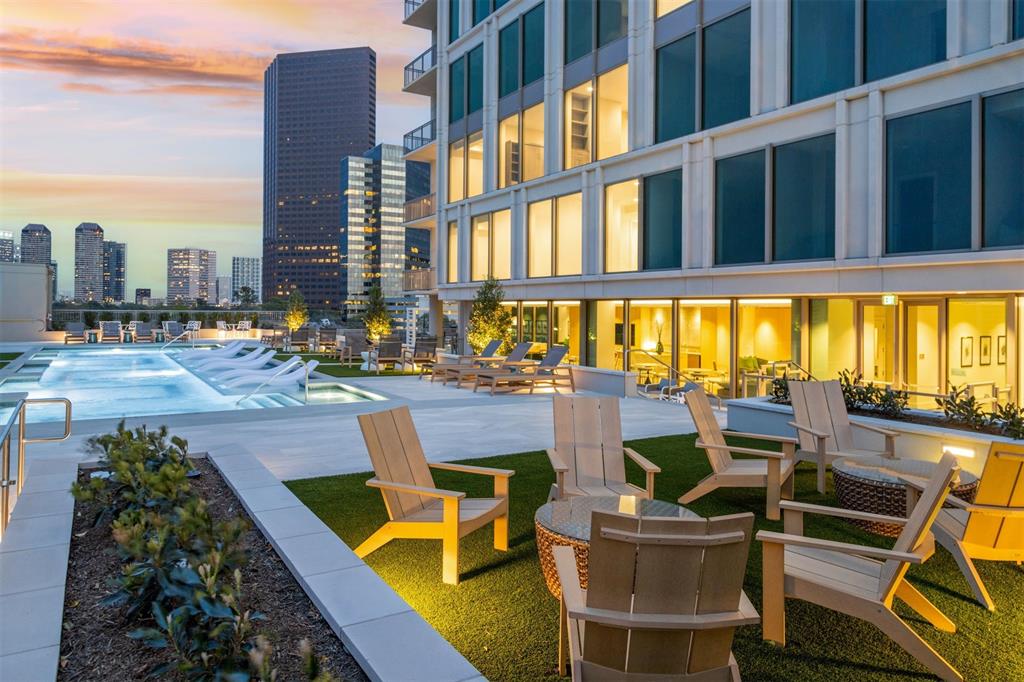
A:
(36, 244)
(223, 296)
(7, 253)
(191, 275)
(115, 271)
(319, 107)
(729, 187)
(143, 296)
(88, 262)
(246, 272)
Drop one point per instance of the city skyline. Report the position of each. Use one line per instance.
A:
(143, 121)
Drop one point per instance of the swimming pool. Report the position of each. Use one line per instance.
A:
(120, 381)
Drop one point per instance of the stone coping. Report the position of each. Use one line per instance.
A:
(388, 639)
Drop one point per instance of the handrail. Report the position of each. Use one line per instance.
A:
(187, 332)
(672, 370)
(18, 482)
(284, 368)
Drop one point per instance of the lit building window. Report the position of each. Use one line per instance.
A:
(607, 96)
(621, 226)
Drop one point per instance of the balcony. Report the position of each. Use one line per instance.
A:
(417, 139)
(424, 279)
(421, 73)
(418, 209)
(421, 14)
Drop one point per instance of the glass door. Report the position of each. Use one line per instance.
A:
(878, 343)
(922, 325)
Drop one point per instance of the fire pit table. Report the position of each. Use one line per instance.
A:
(567, 523)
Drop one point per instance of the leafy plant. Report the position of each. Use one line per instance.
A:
(376, 319)
(297, 313)
(246, 297)
(778, 391)
(1009, 419)
(964, 409)
(489, 319)
(890, 403)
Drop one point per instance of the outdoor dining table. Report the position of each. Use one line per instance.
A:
(567, 523)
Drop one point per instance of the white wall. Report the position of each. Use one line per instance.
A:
(24, 301)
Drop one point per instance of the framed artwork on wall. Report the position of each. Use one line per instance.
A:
(1000, 350)
(966, 351)
(984, 350)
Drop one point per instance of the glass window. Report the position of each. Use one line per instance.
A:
(456, 170)
(611, 20)
(1018, 28)
(650, 340)
(890, 48)
(501, 244)
(578, 103)
(928, 180)
(579, 28)
(663, 220)
(569, 236)
(480, 248)
(676, 88)
(613, 112)
(739, 209)
(475, 164)
(804, 202)
(532, 162)
(878, 348)
(475, 78)
(535, 326)
(621, 227)
(832, 337)
(727, 70)
(481, 8)
(566, 328)
(457, 90)
(765, 335)
(704, 341)
(453, 252)
(977, 346)
(1003, 169)
(663, 7)
(508, 59)
(605, 334)
(454, 23)
(533, 44)
(539, 239)
(822, 53)
(509, 151)
(500, 3)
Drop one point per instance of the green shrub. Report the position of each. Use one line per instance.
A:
(961, 408)
(144, 316)
(1009, 418)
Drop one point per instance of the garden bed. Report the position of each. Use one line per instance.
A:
(95, 643)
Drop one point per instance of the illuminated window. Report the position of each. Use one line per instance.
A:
(621, 226)
(569, 234)
(539, 239)
(663, 7)
(613, 112)
(533, 143)
(475, 164)
(509, 152)
(521, 147)
(491, 246)
(456, 170)
(578, 125)
(480, 248)
(453, 252)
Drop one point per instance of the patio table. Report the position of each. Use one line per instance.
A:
(567, 523)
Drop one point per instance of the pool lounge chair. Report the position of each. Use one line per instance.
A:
(289, 373)
(74, 332)
(110, 332)
(548, 371)
(230, 350)
(514, 362)
(254, 359)
(143, 333)
(489, 352)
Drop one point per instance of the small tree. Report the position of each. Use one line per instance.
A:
(297, 313)
(246, 297)
(376, 319)
(489, 319)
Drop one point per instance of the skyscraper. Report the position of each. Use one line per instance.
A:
(246, 272)
(115, 269)
(36, 244)
(223, 290)
(191, 275)
(88, 262)
(319, 107)
(6, 247)
(142, 296)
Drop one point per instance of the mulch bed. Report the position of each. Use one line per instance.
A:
(940, 422)
(95, 643)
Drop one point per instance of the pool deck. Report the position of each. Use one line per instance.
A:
(324, 440)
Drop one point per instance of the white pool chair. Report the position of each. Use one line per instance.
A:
(227, 351)
(253, 360)
(266, 369)
(295, 373)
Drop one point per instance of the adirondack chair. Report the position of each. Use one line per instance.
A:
(663, 600)
(390, 350)
(110, 331)
(416, 507)
(824, 428)
(774, 472)
(588, 457)
(74, 332)
(859, 581)
(991, 529)
(143, 332)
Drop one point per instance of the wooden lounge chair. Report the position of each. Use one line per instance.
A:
(991, 529)
(74, 332)
(773, 472)
(110, 332)
(143, 333)
(859, 581)
(424, 354)
(488, 353)
(417, 508)
(588, 457)
(355, 343)
(663, 600)
(548, 371)
(513, 362)
(390, 350)
(824, 428)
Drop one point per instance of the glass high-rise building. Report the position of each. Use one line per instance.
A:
(191, 275)
(7, 247)
(88, 262)
(115, 270)
(36, 244)
(319, 107)
(246, 271)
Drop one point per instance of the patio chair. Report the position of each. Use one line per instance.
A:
(663, 600)
(772, 471)
(355, 343)
(824, 428)
(416, 507)
(143, 332)
(992, 528)
(74, 332)
(857, 580)
(513, 362)
(291, 372)
(548, 371)
(172, 330)
(389, 350)
(222, 326)
(243, 327)
(424, 353)
(589, 457)
(489, 352)
(299, 338)
(327, 339)
(110, 332)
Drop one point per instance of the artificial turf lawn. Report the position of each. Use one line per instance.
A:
(352, 371)
(502, 618)
(6, 358)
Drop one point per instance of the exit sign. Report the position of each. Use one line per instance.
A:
(888, 299)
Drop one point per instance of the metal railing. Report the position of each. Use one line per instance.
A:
(424, 279)
(188, 332)
(20, 440)
(418, 67)
(411, 6)
(414, 139)
(676, 377)
(285, 367)
(420, 207)
(781, 369)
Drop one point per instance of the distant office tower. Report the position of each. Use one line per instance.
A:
(142, 296)
(115, 270)
(53, 282)
(191, 275)
(36, 244)
(319, 107)
(223, 290)
(6, 247)
(246, 272)
(417, 248)
(88, 262)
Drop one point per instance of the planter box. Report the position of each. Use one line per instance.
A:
(916, 441)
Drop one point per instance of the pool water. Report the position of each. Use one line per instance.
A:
(115, 382)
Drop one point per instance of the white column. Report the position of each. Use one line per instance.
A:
(707, 216)
(518, 226)
(554, 16)
(593, 219)
(876, 184)
(842, 177)
(490, 110)
(641, 73)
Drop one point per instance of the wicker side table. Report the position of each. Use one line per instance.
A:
(872, 484)
(567, 523)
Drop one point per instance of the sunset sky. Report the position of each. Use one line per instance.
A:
(146, 116)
